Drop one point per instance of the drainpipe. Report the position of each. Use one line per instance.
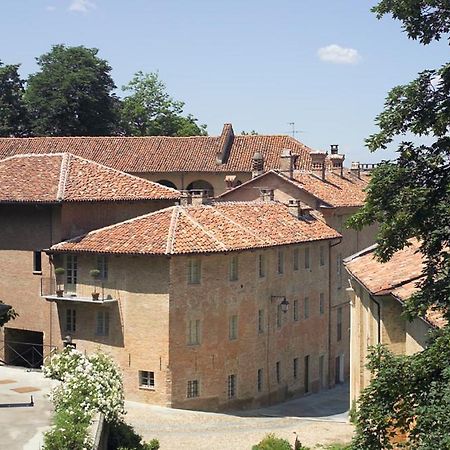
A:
(330, 308)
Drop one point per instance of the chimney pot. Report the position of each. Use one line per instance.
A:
(257, 164)
(287, 162)
(318, 163)
(334, 149)
(267, 195)
(199, 196)
(185, 198)
(355, 169)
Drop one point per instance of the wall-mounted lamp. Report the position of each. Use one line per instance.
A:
(284, 305)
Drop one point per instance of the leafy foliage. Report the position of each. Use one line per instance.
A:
(425, 20)
(90, 383)
(13, 113)
(122, 436)
(9, 314)
(150, 111)
(72, 94)
(271, 442)
(408, 397)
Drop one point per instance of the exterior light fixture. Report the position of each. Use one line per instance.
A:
(284, 305)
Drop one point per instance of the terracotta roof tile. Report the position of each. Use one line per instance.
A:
(165, 154)
(203, 229)
(335, 191)
(65, 177)
(399, 276)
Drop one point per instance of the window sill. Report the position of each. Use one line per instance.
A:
(37, 272)
(147, 388)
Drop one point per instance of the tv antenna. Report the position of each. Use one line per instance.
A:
(294, 131)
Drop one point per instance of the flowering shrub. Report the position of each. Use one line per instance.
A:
(89, 384)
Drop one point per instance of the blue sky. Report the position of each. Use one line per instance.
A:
(254, 63)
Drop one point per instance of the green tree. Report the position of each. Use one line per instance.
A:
(410, 197)
(71, 95)
(150, 111)
(7, 313)
(13, 113)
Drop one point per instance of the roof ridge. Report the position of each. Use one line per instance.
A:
(63, 175)
(172, 228)
(199, 225)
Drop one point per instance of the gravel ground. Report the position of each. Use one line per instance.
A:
(317, 419)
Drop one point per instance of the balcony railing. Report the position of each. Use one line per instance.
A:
(82, 293)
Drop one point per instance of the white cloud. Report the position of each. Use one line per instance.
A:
(338, 55)
(82, 6)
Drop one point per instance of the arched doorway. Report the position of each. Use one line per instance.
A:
(167, 183)
(203, 185)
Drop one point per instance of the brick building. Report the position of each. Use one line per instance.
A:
(335, 193)
(197, 162)
(45, 199)
(377, 293)
(206, 306)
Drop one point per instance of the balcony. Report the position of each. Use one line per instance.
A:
(83, 293)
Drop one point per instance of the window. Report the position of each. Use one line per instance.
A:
(71, 320)
(194, 332)
(192, 389)
(102, 266)
(280, 265)
(231, 386)
(295, 367)
(339, 270)
(306, 308)
(279, 315)
(322, 255)
(71, 269)
(233, 327)
(278, 372)
(296, 258)
(262, 266)
(102, 325)
(37, 261)
(307, 258)
(306, 379)
(260, 380)
(146, 379)
(261, 321)
(194, 271)
(295, 308)
(321, 303)
(339, 324)
(233, 271)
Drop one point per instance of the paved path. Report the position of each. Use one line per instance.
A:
(317, 419)
(22, 426)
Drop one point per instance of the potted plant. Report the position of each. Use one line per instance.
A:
(59, 274)
(95, 274)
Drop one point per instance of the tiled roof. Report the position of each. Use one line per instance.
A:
(167, 154)
(64, 177)
(399, 276)
(202, 229)
(334, 191)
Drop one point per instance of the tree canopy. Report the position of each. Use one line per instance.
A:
(71, 94)
(410, 197)
(13, 113)
(149, 110)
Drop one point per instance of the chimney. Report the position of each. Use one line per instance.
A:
(334, 148)
(297, 209)
(225, 143)
(257, 165)
(337, 164)
(355, 169)
(185, 198)
(287, 162)
(266, 194)
(318, 163)
(199, 196)
(230, 181)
